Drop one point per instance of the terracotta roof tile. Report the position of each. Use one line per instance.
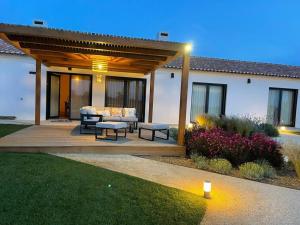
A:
(9, 49)
(238, 67)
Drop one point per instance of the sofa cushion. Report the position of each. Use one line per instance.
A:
(104, 112)
(129, 119)
(88, 110)
(116, 112)
(111, 118)
(129, 112)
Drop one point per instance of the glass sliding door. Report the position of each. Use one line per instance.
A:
(207, 99)
(126, 93)
(114, 92)
(282, 106)
(53, 96)
(80, 94)
(135, 97)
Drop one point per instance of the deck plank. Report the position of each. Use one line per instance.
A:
(58, 138)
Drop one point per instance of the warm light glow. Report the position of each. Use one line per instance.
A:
(190, 126)
(207, 188)
(100, 65)
(282, 128)
(98, 78)
(188, 47)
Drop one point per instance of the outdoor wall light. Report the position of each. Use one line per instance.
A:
(207, 189)
(98, 78)
(248, 81)
(172, 75)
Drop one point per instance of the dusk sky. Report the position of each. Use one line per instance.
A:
(256, 30)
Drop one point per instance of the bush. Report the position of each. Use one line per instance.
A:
(269, 130)
(206, 121)
(216, 143)
(201, 162)
(292, 150)
(263, 147)
(251, 171)
(220, 166)
(174, 133)
(269, 171)
(243, 126)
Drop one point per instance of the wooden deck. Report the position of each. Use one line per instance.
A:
(66, 138)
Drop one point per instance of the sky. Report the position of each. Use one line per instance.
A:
(251, 30)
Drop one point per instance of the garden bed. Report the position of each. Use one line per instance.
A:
(285, 177)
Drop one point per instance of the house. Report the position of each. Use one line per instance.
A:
(215, 86)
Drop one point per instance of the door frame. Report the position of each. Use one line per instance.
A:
(48, 88)
(48, 95)
(144, 80)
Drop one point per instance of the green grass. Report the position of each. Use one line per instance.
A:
(6, 129)
(41, 189)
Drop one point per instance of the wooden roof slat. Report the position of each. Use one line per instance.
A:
(92, 45)
(90, 51)
(10, 29)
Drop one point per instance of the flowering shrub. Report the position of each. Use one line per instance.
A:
(238, 149)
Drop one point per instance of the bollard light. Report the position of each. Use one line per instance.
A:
(207, 189)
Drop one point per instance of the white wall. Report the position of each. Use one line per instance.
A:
(242, 98)
(17, 87)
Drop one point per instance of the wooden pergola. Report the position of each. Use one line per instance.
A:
(55, 47)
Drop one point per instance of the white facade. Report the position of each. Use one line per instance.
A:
(17, 91)
(242, 99)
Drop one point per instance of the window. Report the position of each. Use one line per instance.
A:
(282, 106)
(127, 93)
(208, 98)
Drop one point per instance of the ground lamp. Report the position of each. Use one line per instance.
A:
(207, 189)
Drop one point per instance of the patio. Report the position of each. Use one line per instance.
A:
(98, 53)
(64, 137)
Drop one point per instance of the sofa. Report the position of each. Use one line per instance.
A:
(92, 115)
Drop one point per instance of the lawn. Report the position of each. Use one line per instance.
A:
(41, 189)
(6, 129)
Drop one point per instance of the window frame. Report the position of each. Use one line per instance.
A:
(294, 106)
(126, 80)
(207, 86)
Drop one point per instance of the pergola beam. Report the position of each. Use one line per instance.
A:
(151, 97)
(38, 71)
